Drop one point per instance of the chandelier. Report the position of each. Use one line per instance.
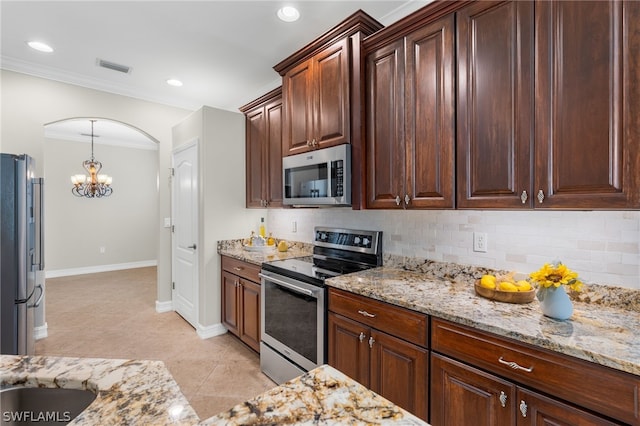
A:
(95, 185)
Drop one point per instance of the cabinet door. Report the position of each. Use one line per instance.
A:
(250, 309)
(495, 104)
(461, 395)
(535, 409)
(348, 347)
(255, 131)
(230, 304)
(273, 151)
(298, 95)
(429, 115)
(385, 127)
(400, 372)
(587, 104)
(332, 103)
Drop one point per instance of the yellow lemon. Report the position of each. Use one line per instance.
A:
(507, 286)
(488, 281)
(282, 246)
(523, 285)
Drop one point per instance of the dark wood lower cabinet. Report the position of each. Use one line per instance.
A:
(240, 290)
(394, 368)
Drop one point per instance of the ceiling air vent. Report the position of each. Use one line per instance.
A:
(113, 66)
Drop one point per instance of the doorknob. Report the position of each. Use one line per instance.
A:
(193, 246)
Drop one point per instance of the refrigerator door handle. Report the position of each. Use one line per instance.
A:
(38, 259)
(35, 305)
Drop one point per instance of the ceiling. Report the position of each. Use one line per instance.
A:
(223, 51)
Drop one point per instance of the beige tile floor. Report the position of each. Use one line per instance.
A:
(112, 315)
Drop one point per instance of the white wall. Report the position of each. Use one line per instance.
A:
(222, 210)
(120, 223)
(603, 247)
(28, 103)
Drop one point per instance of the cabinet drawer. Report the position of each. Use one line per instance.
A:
(242, 269)
(602, 389)
(400, 322)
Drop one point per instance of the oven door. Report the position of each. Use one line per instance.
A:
(293, 319)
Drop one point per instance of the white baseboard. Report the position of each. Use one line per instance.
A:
(41, 332)
(100, 268)
(164, 306)
(204, 332)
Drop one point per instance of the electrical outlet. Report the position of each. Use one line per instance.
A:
(480, 242)
(103, 250)
(294, 226)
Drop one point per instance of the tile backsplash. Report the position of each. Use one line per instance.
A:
(602, 246)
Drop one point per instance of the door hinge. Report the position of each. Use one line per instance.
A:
(173, 228)
(172, 171)
(173, 285)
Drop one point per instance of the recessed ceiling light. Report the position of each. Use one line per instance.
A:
(288, 14)
(174, 82)
(40, 46)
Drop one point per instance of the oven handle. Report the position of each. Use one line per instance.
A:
(288, 285)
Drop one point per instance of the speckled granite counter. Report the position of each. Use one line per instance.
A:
(322, 396)
(233, 248)
(128, 392)
(604, 334)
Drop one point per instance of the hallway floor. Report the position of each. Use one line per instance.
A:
(112, 315)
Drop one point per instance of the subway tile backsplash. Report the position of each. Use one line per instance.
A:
(602, 246)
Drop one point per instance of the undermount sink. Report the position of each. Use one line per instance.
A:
(42, 406)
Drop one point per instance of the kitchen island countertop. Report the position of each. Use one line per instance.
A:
(322, 396)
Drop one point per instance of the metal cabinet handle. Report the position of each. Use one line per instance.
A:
(192, 246)
(524, 197)
(361, 337)
(406, 199)
(371, 341)
(397, 200)
(523, 408)
(314, 142)
(540, 196)
(367, 314)
(515, 365)
(237, 268)
(503, 399)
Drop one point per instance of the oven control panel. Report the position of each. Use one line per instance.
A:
(348, 239)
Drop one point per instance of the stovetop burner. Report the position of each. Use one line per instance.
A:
(335, 252)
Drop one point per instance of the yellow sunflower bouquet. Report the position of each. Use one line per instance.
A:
(553, 275)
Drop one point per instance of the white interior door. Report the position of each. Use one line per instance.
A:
(185, 231)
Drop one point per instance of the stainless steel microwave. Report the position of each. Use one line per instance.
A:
(318, 178)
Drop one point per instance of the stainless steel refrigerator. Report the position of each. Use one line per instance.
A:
(21, 252)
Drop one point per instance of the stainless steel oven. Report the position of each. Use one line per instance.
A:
(293, 302)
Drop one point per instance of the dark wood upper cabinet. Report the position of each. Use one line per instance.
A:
(495, 104)
(548, 105)
(264, 150)
(321, 88)
(410, 119)
(587, 105)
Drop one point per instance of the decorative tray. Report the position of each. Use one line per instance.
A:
(505, 296)
(260, 248)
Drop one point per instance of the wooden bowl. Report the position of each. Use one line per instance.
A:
(505, 296)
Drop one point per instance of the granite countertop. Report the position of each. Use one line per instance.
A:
(128, 391)
(234, 248)
(606, 335)
(321, 396)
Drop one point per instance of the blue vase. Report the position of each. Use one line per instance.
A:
(555, 303)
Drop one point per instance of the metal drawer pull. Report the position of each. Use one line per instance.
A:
(361, 337)
(514, 365)
(237, 268)
(503, 399)
(523, 408)
(367, 314)
(371, 342)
